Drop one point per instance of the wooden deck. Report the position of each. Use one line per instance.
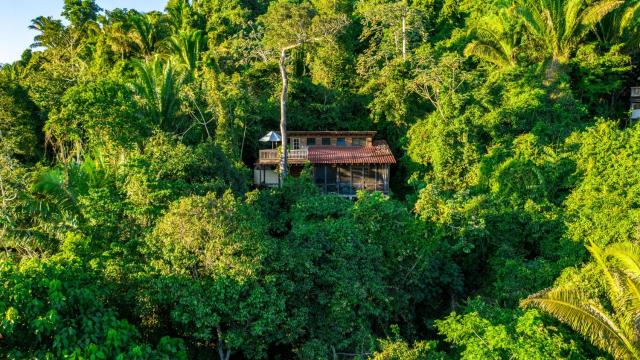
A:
(272, 156)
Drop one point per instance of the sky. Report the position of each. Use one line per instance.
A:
(16, 15)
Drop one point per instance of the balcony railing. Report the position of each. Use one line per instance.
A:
(273, 155)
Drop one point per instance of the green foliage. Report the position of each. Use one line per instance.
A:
(223, 20)
(49, 75)
(147, 31)
(12, 181)
(79, 12)
(206, 236)
(601, 209)
(498, 39)
(187, 47)
(559, 26)
(57, 308)
(157, 88)
(612, 331)
(487, 332)
(288, 24)
(600, 75)
(51, 32)
(168, 169)
(96, 115)
(397, 349)
(448, 152)
(212, 253)
(20, 125)
(126, 143)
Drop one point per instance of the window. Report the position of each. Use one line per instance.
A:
(332, 187)
(370, 177)
(296, 143)
(320, 174)
(311, 141)
(326, 141)
(344, 179)
(341, 142)
(358, 141)
(356, 173)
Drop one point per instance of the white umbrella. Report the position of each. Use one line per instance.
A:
(272, 136)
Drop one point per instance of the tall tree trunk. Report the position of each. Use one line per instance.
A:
(551, 72)
(222, 353)
(283, 115)
(554, 71)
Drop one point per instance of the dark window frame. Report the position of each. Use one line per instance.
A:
(341, 141)
(326, 141)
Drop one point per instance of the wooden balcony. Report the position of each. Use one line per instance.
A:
(272, 156)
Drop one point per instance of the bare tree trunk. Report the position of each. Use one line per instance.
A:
(224, 355)
(244, 136)
(555, 71)
(283, 115)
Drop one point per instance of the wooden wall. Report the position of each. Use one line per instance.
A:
(368, 141)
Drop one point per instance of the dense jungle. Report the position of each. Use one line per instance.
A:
(130, 227)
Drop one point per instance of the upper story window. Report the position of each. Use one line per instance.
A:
(341, 141)
(326, 141)
(295, 143)
(358, 141)
(311, 141)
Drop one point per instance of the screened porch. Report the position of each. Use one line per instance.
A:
(346, 180)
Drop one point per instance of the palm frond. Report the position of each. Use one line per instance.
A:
(585, 317)
(630, 14)
(186, 47)
(571, 15)
(631, 315)
(628, 255)
(596, 11)
(532, 21)
(487, 52)
(600, 259)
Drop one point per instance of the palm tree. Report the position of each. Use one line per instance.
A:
(50, 32)
(630, 21)
(613, 27)
(118, 38)
(144, 34)
(560, 25)
(177, 12)
(616, 331)
(157, 86)
(187, 46)
(622, 24)
(497, 39)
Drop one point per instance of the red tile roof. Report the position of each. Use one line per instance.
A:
(379, 153)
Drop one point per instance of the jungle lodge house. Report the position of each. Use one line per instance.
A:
(343, 162)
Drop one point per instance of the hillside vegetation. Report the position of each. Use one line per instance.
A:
(130, 229)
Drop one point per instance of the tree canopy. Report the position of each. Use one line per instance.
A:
(130, 226)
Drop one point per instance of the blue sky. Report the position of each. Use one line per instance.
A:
(16, 15)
